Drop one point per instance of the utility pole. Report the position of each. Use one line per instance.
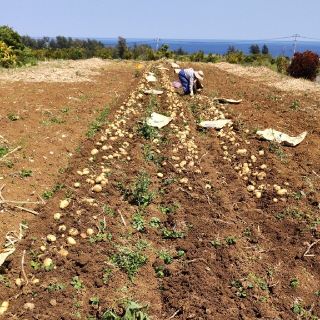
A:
(295, 36)
(157, 43)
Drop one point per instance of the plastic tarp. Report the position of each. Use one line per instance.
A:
(224, 100)
(158, 120)
(216, 124)
(5, 254)
(280, 137)
(175, 65)
(151, 77)
(153, 91)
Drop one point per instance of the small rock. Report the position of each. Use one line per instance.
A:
(29, 306)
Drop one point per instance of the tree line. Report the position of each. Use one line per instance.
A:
(16, 50)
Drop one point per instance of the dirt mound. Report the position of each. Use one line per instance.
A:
(271, 78)
(57, 71)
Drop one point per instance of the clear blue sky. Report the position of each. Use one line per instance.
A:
(184, 19)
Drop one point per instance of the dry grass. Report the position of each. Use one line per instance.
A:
(56, 71)
(271, 78)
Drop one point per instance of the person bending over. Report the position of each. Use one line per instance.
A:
(190, 80)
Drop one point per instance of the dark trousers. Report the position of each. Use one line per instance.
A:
(185, 82)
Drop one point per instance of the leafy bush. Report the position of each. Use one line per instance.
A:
(11, 38)
(12, 50)
(304, 65)
(7, 56)
(235, 57)
(282, 64)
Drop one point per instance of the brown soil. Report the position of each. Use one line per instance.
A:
(243, 257)
(53, 119)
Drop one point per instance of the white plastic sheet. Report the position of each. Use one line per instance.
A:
(151, 77)
(175, 65)
(158, 120)
(153, 91)
(216, 124)
(224, 100)
(5, 254)
(280, 137)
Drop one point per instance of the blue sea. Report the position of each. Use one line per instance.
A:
(276, 47)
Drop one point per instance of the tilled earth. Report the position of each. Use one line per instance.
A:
(195, 224)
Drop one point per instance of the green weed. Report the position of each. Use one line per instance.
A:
(155, 222)
(107, 272)
(146, 131)
(49, 193)
(139, 193)
(295, 105)
(133, 311)
(3, 151)
(138, 222)
(294, 283)
(77, 283)
(13, 117)
(4, 280)
(171, 234)
(97, 124)
(165, 256)
(231, 240)
(55, 287)
(24, 173)
(129, 261)
(277, 150)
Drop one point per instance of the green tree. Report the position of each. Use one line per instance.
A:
(254, 49)
(265, 49)
(122, 47)
(11, 38)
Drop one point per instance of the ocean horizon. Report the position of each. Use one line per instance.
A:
(276, 47)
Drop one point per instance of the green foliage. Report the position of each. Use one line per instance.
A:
(102, 235)
(77, 283)
(97, 124)
(7, 56)
(241, 289)
(12, 50)
(138, 222)
(155, 222)
(5, 281)
(231, 240)
(129, 261)
(133, 311)
(56, 287)
(11, 38)
(13, 117)
(294, 283)
(146, 131)
(171, 234)
(282, 63)
(49, 193)
(165, 256)
(3, 151)
(254, 49)
(303, 314)
(107, 272)
(169, 208)
(139, 193)
(295, 105)
(235, 57)
(24, 173)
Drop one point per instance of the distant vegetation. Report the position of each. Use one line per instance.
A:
(16, 50)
